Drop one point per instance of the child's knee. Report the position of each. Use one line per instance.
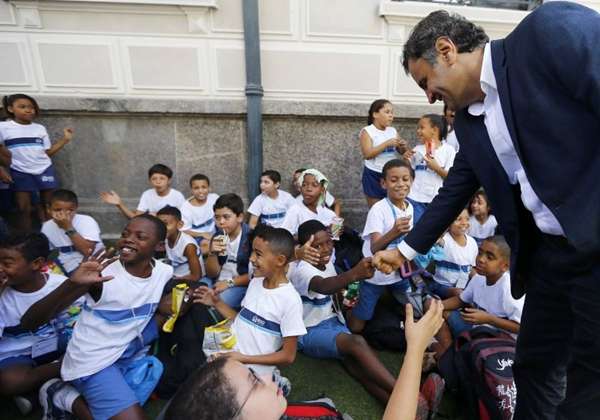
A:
(11, 380)
(351, 343)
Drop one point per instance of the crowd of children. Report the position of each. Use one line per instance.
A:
(81, 338)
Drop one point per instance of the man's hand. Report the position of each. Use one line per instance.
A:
(89, 271)
(309, 254)
(205, 295)
(111, 197)
(64, 219)
(67, 134)
(364, 269)
(475, 316)
(419, 334)
(388, 260)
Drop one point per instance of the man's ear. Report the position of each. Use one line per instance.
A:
(446, 49)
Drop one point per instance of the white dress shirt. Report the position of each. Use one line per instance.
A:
(493, 118)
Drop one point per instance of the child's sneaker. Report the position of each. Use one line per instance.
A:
(284, 383)
(50, 394)
(23, 404)
(432, 391)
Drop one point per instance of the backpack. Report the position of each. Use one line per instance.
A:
(321, 409)
(348, 250)
(385, 331)
(479, 367)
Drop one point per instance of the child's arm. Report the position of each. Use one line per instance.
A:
(62, 142)
(253, 221)
(337, 207)
(330, 285)
(367, 149)
(283, 357)
(477, 316)
(194, 264)
(111, 197)
(379, 241)
(5, 156)
(209, 297)
(402, 404)
(237, 281)
(453, 303)
(86, 279)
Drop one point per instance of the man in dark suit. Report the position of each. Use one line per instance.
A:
(528, 124)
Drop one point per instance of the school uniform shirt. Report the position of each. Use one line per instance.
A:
(271, 211)
(299, 213)
(28, 144)
(176, 254)
(481, 231)
(454, 267)
(199, 219)
(106, 327)
(266, 317)
(452, 140)
(316, 307)
(495, 299)
(229, 269)
(427, 182)
(381, 219)
(378, 137)
(151, 202)
(328, 202)
(68, 257)
(16, 341)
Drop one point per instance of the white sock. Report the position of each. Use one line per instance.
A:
(65, 397)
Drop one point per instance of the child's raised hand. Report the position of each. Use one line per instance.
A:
(419, 334)
(475, 316)
(110, 197)
(401, 145)
(64, 219)
(364, 269)
(89, 271)
(432, 163)
(307, 253)
(217, 246)
(205, 296)
(67, 134)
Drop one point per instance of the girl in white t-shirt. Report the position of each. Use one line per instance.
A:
(26, 146)
(430, 160)
(482, 223)
(271, 206)
(379, 143)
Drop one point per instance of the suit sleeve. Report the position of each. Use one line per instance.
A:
(458, 188)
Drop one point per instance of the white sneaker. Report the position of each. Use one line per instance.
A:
(47, 393)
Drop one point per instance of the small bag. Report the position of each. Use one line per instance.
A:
(218, 338)
(321, 409)
(142, 376)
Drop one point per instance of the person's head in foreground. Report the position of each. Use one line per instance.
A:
(225, 390)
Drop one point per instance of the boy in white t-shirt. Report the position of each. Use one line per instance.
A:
(230, 248)
(387, 222)
(270, 320)
(271, 206)
(123, 301)
(453, 267)
(487, 300)
(160, 195)
(330, 201)
(182, 250)
(313, 187)
(197, 212)
(74, 235)
(327, 336)
(28, 357)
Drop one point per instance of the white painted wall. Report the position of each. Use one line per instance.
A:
(312, 50)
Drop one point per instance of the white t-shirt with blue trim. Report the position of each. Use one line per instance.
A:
(316, 307)
(427, 182)
(481, 231)
(272, 211)
(378, 137)
(299, 213)
(151, 202)
(106, 327)
(453, 270)
(28, 144)
(266, 317)
(176, 255)
(199, 219)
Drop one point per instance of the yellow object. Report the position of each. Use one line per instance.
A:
(177, 295)
(218, 338)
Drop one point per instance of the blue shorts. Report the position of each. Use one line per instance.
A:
(233, 296)
(106, 392)
(24, 182)
(319, 341)
(369, 294)
(371, 182)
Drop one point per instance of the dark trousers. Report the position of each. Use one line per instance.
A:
(557, 365)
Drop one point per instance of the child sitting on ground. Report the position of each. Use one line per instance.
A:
(230, 250)
(313, 188)
(118, 322)
(387, 222)
(270, 320)
(182, 250)
(271, 205)
(487, 298)
(327, 336)
(152, 200)
(28, 359)
(331, 202)
(74, 235)
(482, 224)
(454, 264)
(197, 212)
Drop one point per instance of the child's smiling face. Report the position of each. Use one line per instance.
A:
(397, 183)
(200, 189)
(139, 241)
(15, 269)
(263, 259)
(460, 226)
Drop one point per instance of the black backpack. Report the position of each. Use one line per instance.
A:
(479, 368)
(385, 331)
(348, 250)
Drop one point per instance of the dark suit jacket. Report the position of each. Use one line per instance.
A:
(548, 77)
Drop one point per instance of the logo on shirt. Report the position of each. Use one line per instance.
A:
(258, 321)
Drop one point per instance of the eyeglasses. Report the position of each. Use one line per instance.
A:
(256, 380)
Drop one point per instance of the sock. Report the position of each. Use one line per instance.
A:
(65, 397)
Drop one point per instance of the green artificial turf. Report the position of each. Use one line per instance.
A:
(311, 378)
